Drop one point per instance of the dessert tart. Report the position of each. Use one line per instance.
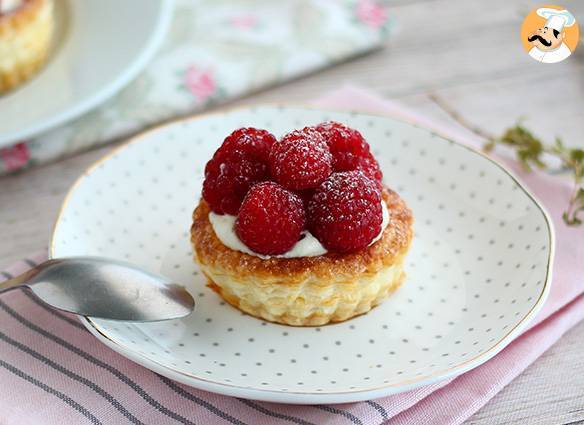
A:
(26, 29)
(300, 231)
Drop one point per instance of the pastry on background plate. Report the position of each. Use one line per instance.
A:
(300, 231)
(26, 30)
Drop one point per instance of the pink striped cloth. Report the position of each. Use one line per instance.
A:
(53, 371)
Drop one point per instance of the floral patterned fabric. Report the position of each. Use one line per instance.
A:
(217, 50)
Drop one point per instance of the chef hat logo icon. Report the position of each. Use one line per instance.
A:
(550, 34)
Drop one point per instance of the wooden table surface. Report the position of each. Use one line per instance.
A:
(469, 53)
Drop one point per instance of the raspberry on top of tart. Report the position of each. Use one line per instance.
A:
(300, 230)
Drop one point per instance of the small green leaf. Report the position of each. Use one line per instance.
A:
(577, 155)
(529, 149)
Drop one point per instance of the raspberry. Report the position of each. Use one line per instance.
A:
(345, 212)
(301, 160)
(250, 142)
(349, 149)
(344, 142)
(227, 182)
(305, 195)
(369, 166)
(240, 162)
(270, 219)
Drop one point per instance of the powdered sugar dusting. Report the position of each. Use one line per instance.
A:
(301, 160)
(270, 219)
(344, 213)
(349, 149)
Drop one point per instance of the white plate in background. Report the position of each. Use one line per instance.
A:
(100, 46)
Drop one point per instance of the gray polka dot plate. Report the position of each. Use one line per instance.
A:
(478, 269)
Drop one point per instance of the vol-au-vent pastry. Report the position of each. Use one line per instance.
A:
(300, 231)
(26, 30)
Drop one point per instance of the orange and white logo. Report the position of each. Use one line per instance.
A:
(550, 34)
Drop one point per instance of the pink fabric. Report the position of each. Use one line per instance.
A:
(15, 157)
(53, 371)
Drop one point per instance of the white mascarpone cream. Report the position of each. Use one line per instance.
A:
(7, 6)
(307, 246)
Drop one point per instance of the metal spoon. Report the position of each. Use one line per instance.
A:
(104, 288)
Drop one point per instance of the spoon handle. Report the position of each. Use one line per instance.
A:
(20, 280)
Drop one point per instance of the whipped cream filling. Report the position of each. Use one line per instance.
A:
(7, 6)
(307, 246)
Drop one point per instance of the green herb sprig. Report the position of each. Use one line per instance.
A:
(531, 152)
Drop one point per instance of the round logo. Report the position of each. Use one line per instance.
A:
(550, 34)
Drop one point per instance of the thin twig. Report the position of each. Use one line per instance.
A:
(455, 115)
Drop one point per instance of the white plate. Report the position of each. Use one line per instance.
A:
(478, 270)
(100, 46)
